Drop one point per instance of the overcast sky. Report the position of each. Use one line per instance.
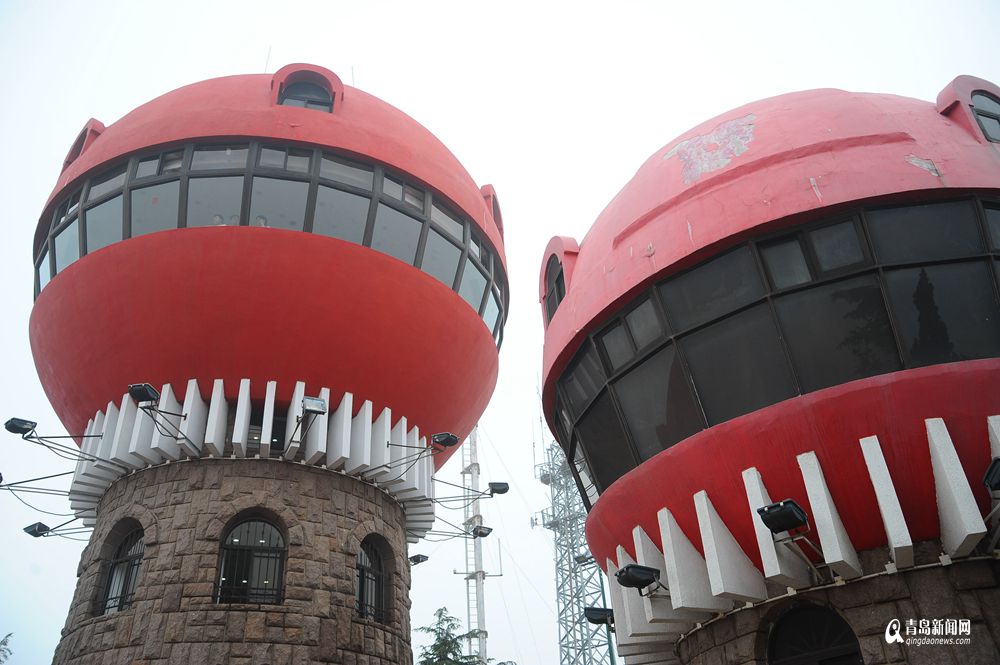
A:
(555, 104)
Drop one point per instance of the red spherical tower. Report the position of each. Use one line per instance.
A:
(311, 285)
(773, 365)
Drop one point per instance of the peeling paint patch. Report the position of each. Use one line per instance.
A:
(815, 188)
(712, 151)
(924, 164)
(690, 233)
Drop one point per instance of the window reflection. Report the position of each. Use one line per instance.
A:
(340, 215)
(278, 204)
(104, 224)
(441, 259)
(396, 234)
(925, 232)
(67, 247)
(713, 288)
(214, 201)
(473, 285)
(222, 157)
(155, 208)
(44, 271)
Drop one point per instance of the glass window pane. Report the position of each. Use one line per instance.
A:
(585, 475)
(473, 285)
(712, 289)
(837, 246)
(925, 232)
(492, 311)
(447, 222)
(172, 161)
(991, 127)
(396, 234)
(785, 263)
(582, 380)
(107, 182)
(219, 157)
(603, 438)
(993, 224)
(74, 202)
(392, 188)
(657, 403)
(617, 346)
(475, 245)
(44, 271)
(278, 204)
(340, 215)
(945, 313)
(644, 324)
(104, 224)
(214, 201)
(838, 332)
(738, 365)
(67, 246)
(984, 102)
(272, 158)
(154, 208)
(147, 167)
(414, 197)
(298, 160)
(441, 259)
(346, 172)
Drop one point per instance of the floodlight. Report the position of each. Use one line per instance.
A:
(36, 530)
(314, 405)
(418, 559)
(480, 531)
(20, 426)
(992, 477)
(634, 576)
(498, 488)
(783, 516)
(599, 616)
(583, 558)
(444, 439)
(143, 392)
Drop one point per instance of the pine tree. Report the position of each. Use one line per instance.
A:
(5, 651)
(447, 646)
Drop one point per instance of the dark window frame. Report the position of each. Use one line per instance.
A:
(981, 113)
(125, 566)
(371, 581)
(235, 556)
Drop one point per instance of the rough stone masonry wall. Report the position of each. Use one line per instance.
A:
(184, 509)
(962, 590)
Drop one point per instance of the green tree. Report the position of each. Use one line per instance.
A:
(447, 646)
(5, 651)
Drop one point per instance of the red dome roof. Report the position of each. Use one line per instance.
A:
(762, 162)
(247, 106)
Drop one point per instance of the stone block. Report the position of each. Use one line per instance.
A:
(972, 575)
(871, 649)
(870, 619)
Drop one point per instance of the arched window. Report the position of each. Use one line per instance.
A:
(555, 286)
(307, 95)
(987, 110)
(370, 590)
(122, 573)
(252, 566)
(813, 635)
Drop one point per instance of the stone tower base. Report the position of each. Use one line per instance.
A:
(185, 510)
(963, 590)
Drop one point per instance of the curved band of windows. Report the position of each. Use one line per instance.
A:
(824, 304)
(269, 186)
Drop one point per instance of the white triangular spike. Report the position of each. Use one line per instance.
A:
(267, 422)
(100, 472)
(838, 551)
(164, 444)
(687, 574)
(218, 418)
(194, 420)
(241, 422)
(294, 424)
(408, 487)
(123, 435)
(317, 434)
(961, 522)
(730, 570)
(638, 624)
(623, 633)
(141, 441)
(361, 440)
(378, 465)
(338, 443)
(896, 532)
(781, 564)
(397, 449)
(657, 605)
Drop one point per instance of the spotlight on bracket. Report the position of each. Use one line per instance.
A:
(599, 616)
(634, 576)
(20, 426)
(480, 531)
(36, 530)
(783, 516)
(585, 557)
(313, 406)
(498, 488)
(418, 559)
(143, 392)
(444, 439)
(992, 477)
